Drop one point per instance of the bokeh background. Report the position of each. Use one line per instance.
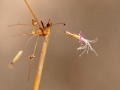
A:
(63, 68)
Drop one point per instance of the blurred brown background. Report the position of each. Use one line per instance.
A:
(63, 68)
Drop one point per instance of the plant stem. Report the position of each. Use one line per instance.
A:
(41, 60)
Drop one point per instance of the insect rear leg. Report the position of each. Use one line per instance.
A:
(32, 57)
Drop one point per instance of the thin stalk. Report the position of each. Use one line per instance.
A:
(41, 60)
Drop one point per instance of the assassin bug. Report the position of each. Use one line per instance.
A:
(35, 32)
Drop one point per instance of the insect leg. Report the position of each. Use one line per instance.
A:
(22, 34)
(16, 58)
(32, 57)
(21, 25)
